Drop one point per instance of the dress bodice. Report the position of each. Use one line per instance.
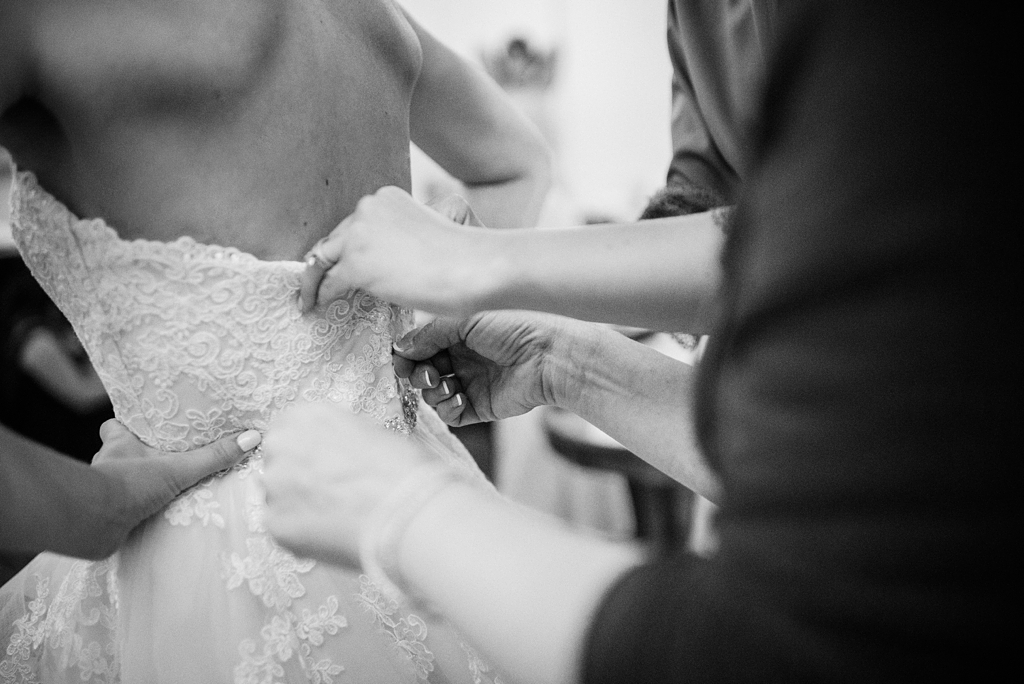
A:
(194, 341)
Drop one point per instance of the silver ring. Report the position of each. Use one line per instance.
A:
(316, 257)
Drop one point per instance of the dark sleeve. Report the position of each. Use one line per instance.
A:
(696, 161)
(858, 396)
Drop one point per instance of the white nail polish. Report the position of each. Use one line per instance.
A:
(458, 400)
(444, 387)
(426, 378)
(404, 343)
(249, 440)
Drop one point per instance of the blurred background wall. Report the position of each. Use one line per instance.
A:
(596, 78)
(606, 110)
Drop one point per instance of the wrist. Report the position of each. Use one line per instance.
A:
(488, 271)
(569, 365)
(380, 542)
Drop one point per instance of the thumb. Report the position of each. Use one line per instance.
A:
(437, 335)
(111, 430)
(118, 443)
(182, 470)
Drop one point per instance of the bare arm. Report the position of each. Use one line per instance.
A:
(643, 399)
(660, 274)
(465, 122)
(325, 506)
(561, 593)
(49, 502)
(504, 363)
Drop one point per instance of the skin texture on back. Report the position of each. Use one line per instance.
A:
(256, 124)
(258, 127)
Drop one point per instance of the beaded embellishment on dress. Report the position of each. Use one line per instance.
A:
(194, 342)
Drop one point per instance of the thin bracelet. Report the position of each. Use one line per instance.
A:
(380, 542)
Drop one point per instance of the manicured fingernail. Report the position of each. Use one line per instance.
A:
(404, 343)
(444, 387)
(426, 378)
(249, 440)
(458, 400)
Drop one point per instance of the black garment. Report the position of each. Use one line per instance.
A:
(858, 394)
(718, 51)
(25, 406)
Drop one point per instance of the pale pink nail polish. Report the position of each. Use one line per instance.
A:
(248, 440)
(404, 343)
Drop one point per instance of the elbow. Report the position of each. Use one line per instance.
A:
(541, 165)
(536, 177)
(529, 158)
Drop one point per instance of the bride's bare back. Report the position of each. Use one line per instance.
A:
(252, 124)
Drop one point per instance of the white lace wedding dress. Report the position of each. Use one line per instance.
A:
(195, 341)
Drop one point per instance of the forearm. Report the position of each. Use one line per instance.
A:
(638, 396)
(523, 571)
(660, 274)
(49, 502)
(465, 122)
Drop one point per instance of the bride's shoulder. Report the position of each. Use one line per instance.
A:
(166, 49)
(385, 29)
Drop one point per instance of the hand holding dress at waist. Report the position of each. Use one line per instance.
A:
(398, 249)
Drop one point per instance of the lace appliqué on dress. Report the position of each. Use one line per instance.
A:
(408, 634)
(193, 342)
(286, 636)
(83, 605)
(478, 669)
(195, 504)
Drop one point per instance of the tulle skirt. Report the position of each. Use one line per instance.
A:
(201, 594)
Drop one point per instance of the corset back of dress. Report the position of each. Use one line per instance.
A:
(194, 341)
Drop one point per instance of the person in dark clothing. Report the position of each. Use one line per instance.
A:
(865, 525)
(668, 270)
(719, 53)
(46, 377)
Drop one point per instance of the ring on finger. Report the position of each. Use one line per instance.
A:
(316, 257)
